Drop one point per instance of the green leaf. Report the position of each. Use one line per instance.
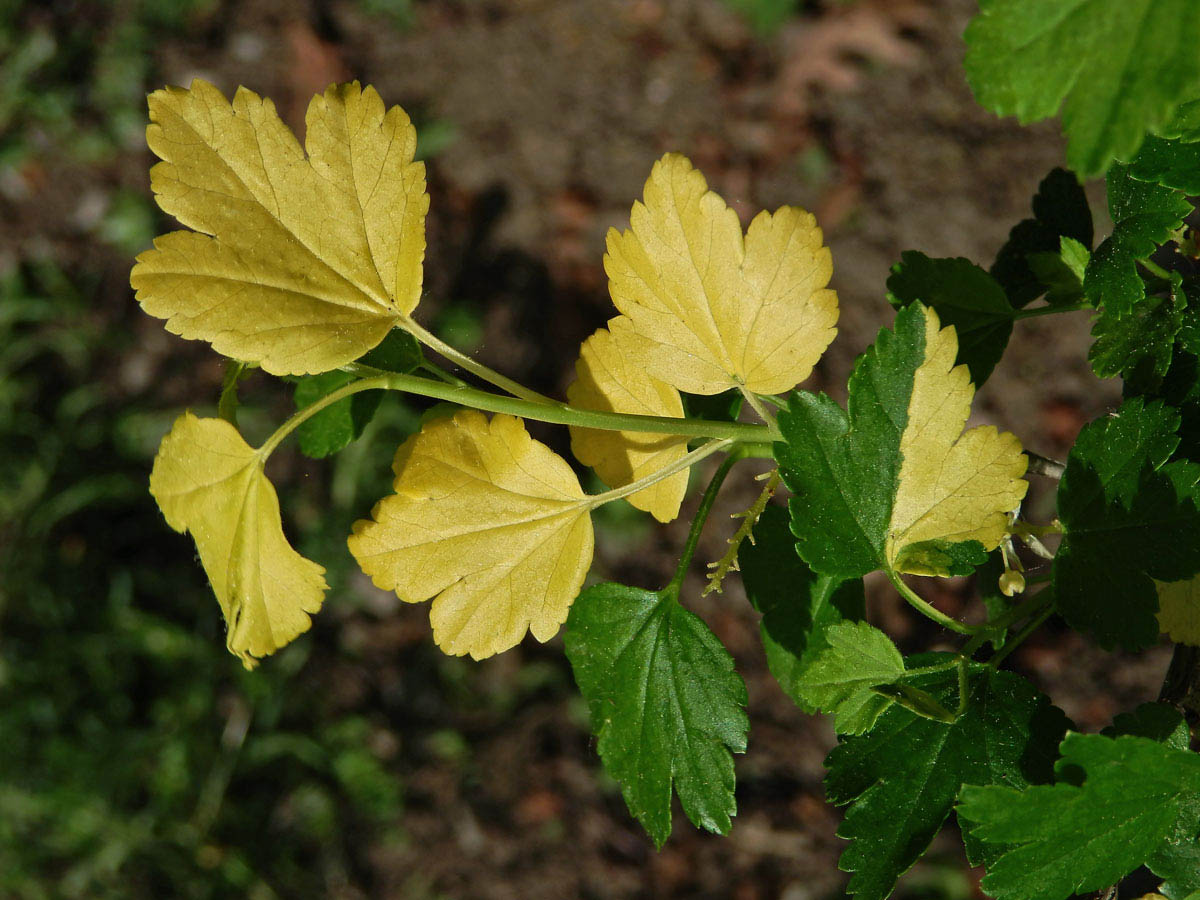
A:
(1139, 345)
(1062, 273)
(1186, 124)
(798, 606)
(1178, 860)
(903, 776)
(398, 352)
(891, 484)
(1060, 210)
(1144, 216)
(1072, 837)
(1158, 721)
(964, 296)
(227, 406)
(1178, 388)
(1170, 163)
(1117, 68)
(340, 423)
(665, 702)
(723, 407)
(1129, 517)
(337, 424)
(856, 658)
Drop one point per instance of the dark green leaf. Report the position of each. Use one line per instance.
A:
(1144, 216)
(1060, 210)
(1180, 386)
(1118, 68)
(1129, 517)
(665, 702)
(1172, 164)
(723, 407)
(337, 424)
(1158, 721)
(1178, 859)
(1139, 345)
(903, 776)
(964, 296)
(340, 423)
(398, 352)
(1134, 795)
(797, 605)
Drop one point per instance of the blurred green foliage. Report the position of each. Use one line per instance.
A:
(766, 17)
(138, 759)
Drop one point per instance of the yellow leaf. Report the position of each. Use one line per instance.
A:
(487, 521)
(210, 482)
(1179, 610)
(609, 379)
(298, 263)
(721, 310)
(954, 485)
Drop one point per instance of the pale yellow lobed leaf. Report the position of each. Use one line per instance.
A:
(210, 482)
(720, 309)
(487, 521)
(954, 486)
(1179, 610)
(608, 378)
(300, 263)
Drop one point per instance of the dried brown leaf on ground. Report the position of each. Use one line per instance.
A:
(828, 52)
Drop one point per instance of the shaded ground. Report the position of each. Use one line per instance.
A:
(362, 763)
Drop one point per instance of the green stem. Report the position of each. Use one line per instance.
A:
(925, 608)
(758, 407)
(441, 374)
(1050, 310)
(562, 414)
(1033, 625)
(477, 369)
(701, 516)
(962, 686)
(939, 667)
(379, 382)
(1155, 269)
(684, 462)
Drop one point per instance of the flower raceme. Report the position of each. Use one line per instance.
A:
(301, 260)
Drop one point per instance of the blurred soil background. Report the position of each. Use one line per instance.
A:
(137, 758)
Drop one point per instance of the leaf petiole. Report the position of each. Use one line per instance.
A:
(478, 369)
(1050, 310)
(1047, 597)
(562, 414)
(379, 382)
(684, 462)
(757, 405)
(925, 608)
